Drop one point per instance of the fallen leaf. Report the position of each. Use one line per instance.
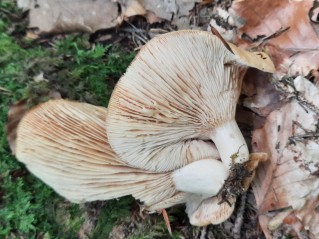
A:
(289, 179)
(287, 31)
(40, 77)
(132, 8)
(284, 28)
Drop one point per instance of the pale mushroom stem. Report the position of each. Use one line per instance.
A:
(230, 143)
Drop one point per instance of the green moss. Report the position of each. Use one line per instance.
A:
(112, 212)
(79, 71)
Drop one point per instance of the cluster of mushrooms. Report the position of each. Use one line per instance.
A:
(168, 136)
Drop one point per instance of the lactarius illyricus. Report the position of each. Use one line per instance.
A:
(65, 144)
(181, 89)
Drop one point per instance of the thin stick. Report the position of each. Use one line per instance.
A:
(240, 217)
(203, 233)
(216, 33)
(166, 219)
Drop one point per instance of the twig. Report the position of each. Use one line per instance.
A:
(216, 33)
(301, 137)
(240, 217)
(5, 91)
(139, 36)
(167, 222)
(286, 87)
(203, 233)
(276, 34)
(262, 39)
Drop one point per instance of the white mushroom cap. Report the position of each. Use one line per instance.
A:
(180, 89)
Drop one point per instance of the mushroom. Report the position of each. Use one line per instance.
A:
(65, 144)
(162, 116)
(180, 91)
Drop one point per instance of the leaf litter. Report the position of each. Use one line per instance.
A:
(287, 186)
(285, 105)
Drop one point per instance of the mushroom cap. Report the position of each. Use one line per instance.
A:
(258, 60)
(180, 87)
(208, 211)
(64, 144)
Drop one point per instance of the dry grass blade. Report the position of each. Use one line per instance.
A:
(167, 223)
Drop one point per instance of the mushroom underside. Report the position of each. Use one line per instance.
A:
(65, 144)
(178, 90)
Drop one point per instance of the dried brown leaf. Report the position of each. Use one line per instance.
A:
(290, 137)
(295, 50)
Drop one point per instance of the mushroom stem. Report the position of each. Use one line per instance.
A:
(230, 143)
(204, 177)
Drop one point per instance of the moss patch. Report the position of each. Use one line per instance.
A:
(30, 70)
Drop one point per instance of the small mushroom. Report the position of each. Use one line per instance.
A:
(180, 91)
(65, 144)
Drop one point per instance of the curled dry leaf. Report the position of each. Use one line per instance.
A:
(287, 30)
(290, 179)
(289, 134)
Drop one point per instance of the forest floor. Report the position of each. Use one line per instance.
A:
(84, 68)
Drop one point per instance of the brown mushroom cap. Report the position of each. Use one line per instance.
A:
(179, 89)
